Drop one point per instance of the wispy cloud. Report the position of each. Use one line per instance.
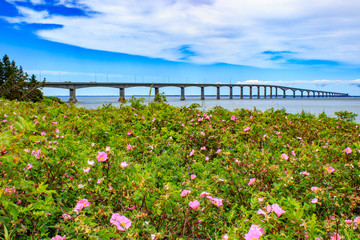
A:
(209, 31)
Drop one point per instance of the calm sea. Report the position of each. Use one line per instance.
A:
(292, 105)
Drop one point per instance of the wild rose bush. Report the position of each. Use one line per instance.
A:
(161, 172)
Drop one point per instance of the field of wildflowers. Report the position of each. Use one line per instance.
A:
(160, 172)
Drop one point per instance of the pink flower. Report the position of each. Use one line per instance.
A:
(252, 181)
(66, 216)
(277, 209)
(57, 130)
(153, 120)
(184, 193)
(55, 123)
(129, 132)
(335, 236)
(121, 222)
(314, 200)
(10, 190)
(284, 156)
(102, 157)
(253, 234)
(193, 176)
(42, 133)
(203, 148)
(166, 187)
(128, 147)
(99, 181)
(107, 149)
(305, 173)
(124, 164)
(192, 152)
(314, 189)
(246, 129)
(217, 201)
(268, 208)
(29, 166)
(91, 163)
(233, 118)
(4, 121)
(204, 194)
(218, 151)
(58, 237)
(258, 228)
(86, 170)
(206, 158)
(194, 204)
(261, 212)
(348, 150)
(81, 204)
(330, 169)
(357, 220)
(348, 221)
(202, 133)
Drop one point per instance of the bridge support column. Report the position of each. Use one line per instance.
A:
(313, 94)
(302, 94)
(122, 95)
(270, 92)
(284, 95)
(231, 92)
(182, 98)
(72, 95)
(218, 93)
(202, 94)
(293, 94)
(250, 92)
(264, 92)
(276, 90)
(241, 92)
(308, 94)
(258, 92)
(156, 91)
(318, 94)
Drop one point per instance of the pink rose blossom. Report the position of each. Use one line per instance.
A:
(153, 120)
(305, 173)
(26, 150)
(246, 129)
(251, 181)
(102, 157)
(348, 221)
(42, 133)
(284, 156)
(184, 193)
(348, 150)
(206, 158)
(192, 152)
(277, 209)
(357, 220)
(330, 169)
(107, 149)
(193, 176)
(99, 181)
(66, 216)
(86, 170)
(81, 204)
(217, 201)
(233, 118)
(29, 166)
(335, 236)
(314, 200)
(218, 151)
(121, 222)
(91, 163)
(129, 132)
(261, 212)
(128, 147)
(314, 189)
(194, 204)
(58, 237)
(204, 194)
(124, 164)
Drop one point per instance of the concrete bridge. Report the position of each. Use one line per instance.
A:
(273, 89)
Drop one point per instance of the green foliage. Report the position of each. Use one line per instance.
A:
(346, 116)
(15, 84)
(46, 154)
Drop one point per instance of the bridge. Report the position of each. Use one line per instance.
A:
(72, 86)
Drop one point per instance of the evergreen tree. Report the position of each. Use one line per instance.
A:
(15, 84)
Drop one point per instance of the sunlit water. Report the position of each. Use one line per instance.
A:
(292, 105)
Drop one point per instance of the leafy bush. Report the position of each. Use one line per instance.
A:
(161, 172)
(346, 116)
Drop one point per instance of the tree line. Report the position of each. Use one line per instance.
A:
(15, 84)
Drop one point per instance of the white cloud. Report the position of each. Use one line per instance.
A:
(229, 31)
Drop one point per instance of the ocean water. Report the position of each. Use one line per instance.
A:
(292, 105)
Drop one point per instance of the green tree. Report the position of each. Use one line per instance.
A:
(15, 84)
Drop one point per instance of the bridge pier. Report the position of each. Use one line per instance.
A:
(258, 92)
(276, 92)
(241, 93)
(308, 94)
(202, 94)
(293, 93)
(182, 98)
(231, 92)
(264, 92)
(284, 95)
(270, 92)
(156, 91)
(122, 95)
(217, 93)
(250, 93)
(302, 94)
(72, 95)
(313, 94)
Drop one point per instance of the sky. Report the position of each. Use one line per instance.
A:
(297, 43)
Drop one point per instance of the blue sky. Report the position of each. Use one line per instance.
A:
(300, 43)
